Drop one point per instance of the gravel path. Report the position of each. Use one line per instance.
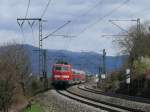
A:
(51, 101)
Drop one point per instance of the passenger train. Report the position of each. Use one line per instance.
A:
(63, 75)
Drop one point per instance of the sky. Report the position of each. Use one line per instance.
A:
(89, 22)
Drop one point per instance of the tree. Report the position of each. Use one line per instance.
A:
(14, 73)
(136, 44)
(7, 87)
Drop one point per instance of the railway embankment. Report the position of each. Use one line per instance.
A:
(112, 100)
(51, 101)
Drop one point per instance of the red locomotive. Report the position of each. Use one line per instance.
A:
(63, 75)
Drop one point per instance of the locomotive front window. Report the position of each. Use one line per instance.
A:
(57, 67)
(65, 68)
(61, 68)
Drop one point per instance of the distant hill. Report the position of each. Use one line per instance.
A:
(87, 61)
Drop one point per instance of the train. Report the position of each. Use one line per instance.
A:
(78, 76)
(63, 75)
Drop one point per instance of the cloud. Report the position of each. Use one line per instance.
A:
(9, 36)
(82, 13)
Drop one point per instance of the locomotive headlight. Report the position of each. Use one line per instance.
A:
(57, 76)
(65, 76)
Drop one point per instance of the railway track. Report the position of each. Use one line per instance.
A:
(95, 103)
(131, 98)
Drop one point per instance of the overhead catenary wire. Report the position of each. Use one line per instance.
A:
(47, 5)
(84, 14)
(122, 29)
(67, 40)
(88, 11)
(57, 30)
(31, 26)
(22, 22)
(26, 14)
(29, 22)
(101, 18)
(22, 32)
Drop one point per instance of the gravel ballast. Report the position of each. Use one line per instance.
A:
(52, 101)
(117, 101)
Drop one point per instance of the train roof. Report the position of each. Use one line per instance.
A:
(78, 71)
(61, 65)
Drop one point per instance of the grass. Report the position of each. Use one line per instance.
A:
(34, 108)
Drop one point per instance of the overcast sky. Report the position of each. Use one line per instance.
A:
(89, 21)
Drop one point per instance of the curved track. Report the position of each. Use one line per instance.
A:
(95, 103)
(131, 98)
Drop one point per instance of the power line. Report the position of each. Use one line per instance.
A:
(89, 10)
(31, 24)
(127, 20)
(27, 8)
(45, 8)
(67, 40)
(76, 19)
(101, 18)
(22, 22)
(113, 35)
(22, 32)
(95, 6)
(122, 29)
(56, 30)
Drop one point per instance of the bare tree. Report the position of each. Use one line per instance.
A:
(7, 86)
(14, 73)
(136, 44)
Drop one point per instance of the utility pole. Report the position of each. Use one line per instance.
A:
(104, 62)
(139, 34)
(127, 33)
(138, 25)
(21, 22)
(138, 39)
(41, 63)
(45, 69)
(102, 68)
(139, 44)
(42, 53)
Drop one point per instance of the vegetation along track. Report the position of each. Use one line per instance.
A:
(132, 98)
(95, 103)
